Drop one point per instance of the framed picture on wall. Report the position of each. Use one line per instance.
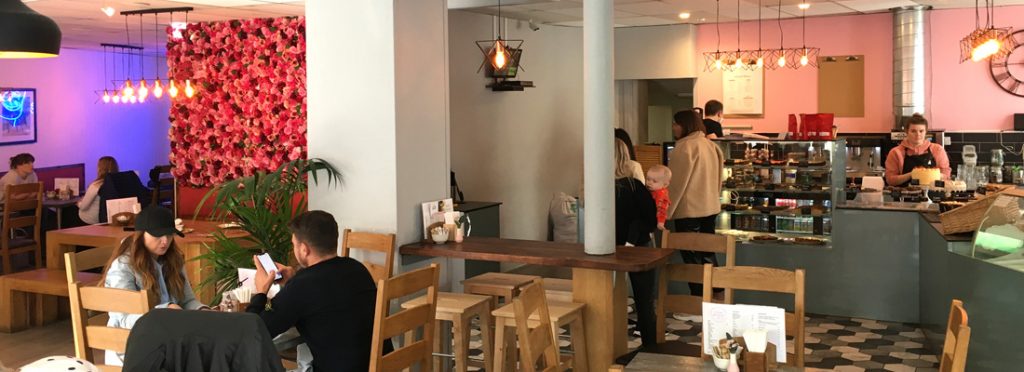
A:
(743, 92)
(17, 116)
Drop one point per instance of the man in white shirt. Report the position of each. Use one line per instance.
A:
(22, 172)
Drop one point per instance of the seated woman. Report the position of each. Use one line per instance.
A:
(150, 260)
(89, 206)
(22, 172)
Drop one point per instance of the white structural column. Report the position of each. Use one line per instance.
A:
(598, 113)
(377, 77)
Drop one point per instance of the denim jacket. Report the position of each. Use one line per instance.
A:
(120, 275)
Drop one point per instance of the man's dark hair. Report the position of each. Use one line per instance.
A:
(318, 229)
(713, 107)
(23, 158)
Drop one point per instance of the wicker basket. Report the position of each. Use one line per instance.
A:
(967, 218)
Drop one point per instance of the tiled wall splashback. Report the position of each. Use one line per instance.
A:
(984, 143)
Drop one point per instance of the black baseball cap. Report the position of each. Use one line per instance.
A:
(157, 221)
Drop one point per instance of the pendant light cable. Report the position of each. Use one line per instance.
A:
(718, 30)
(142, 64)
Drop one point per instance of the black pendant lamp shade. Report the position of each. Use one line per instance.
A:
(25, 33)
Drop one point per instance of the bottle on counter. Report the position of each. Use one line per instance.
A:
(997, 166)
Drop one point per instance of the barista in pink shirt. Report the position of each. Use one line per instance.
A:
(915, 152)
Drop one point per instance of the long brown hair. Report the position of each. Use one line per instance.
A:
(106, 165)
(142, 263)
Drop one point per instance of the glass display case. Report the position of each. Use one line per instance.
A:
(1000, 237)
(782, 192)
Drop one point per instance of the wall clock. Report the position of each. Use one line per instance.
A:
(1008, 71)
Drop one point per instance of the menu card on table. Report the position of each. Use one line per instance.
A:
(434, 212)
(123, 205)
(736, 319)
(66, 183)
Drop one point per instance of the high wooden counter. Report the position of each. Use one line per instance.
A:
(598, 281)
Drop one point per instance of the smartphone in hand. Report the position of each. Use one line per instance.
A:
(268, 265)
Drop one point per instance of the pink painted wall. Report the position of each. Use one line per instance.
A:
(74, 127)
(962, 96)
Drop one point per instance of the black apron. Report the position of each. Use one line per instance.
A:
(910, 162)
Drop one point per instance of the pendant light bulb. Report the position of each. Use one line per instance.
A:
(738, 63)
(132, 99)
(189, 92)
(760, 62)
(106, 96)
(158, 89)
(143, 91)
(718, 63)
(116, 98)
(804, 60)
(986, 49)
(782, 61)
(500, 55)
(172, 90)
(128, 89)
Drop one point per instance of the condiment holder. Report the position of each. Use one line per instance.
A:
(755, 361)
(439, 234)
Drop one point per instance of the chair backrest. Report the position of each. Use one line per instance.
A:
(958, 338)
(371, 242)
(536, 344)
(765, 279)
(162, 182)
(86, 260)
(692, 273)
(89, 298)
(405, 321)
(23, 207)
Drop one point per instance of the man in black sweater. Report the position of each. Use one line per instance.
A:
(713, 119)
(331, 300)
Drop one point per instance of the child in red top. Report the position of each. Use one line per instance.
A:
(658, 178)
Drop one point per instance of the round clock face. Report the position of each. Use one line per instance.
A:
(1008, 71)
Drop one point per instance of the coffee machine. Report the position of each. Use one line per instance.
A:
(864, 156)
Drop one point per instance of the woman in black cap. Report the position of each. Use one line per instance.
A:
(150, 260)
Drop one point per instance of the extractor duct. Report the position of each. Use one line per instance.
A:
(909, 63)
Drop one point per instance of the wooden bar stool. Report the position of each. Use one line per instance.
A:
(497, 285)
(460, 309)
(561, 314)
(558, 289)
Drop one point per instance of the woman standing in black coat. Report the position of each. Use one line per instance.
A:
(635, 219)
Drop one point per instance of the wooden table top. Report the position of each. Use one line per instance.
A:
(203, 231)
(543, 253)
(664, 363)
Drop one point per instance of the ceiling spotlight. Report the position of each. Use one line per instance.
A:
(109, 11)
(804, 6)
(684, 15)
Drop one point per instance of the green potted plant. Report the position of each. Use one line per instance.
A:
(262, 204)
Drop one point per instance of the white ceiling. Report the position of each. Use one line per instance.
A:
(630, 13)
(84, 26)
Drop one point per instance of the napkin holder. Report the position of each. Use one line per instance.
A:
(755, 362)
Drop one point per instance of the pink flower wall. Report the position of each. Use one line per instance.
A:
(249, 111)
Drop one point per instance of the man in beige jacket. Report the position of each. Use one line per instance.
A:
(696, 187)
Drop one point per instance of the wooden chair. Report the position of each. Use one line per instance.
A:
(406, 321)
(371, 242)
(85, 260)
(764, 279)
(560, 314)
(23, 207)
(691, 273)
(958, 338)
(163, 184)
(536, 344)
(109, 300)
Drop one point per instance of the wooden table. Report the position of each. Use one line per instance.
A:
(192, 245)
(648, 362)
(57, 205)
(598, 281)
